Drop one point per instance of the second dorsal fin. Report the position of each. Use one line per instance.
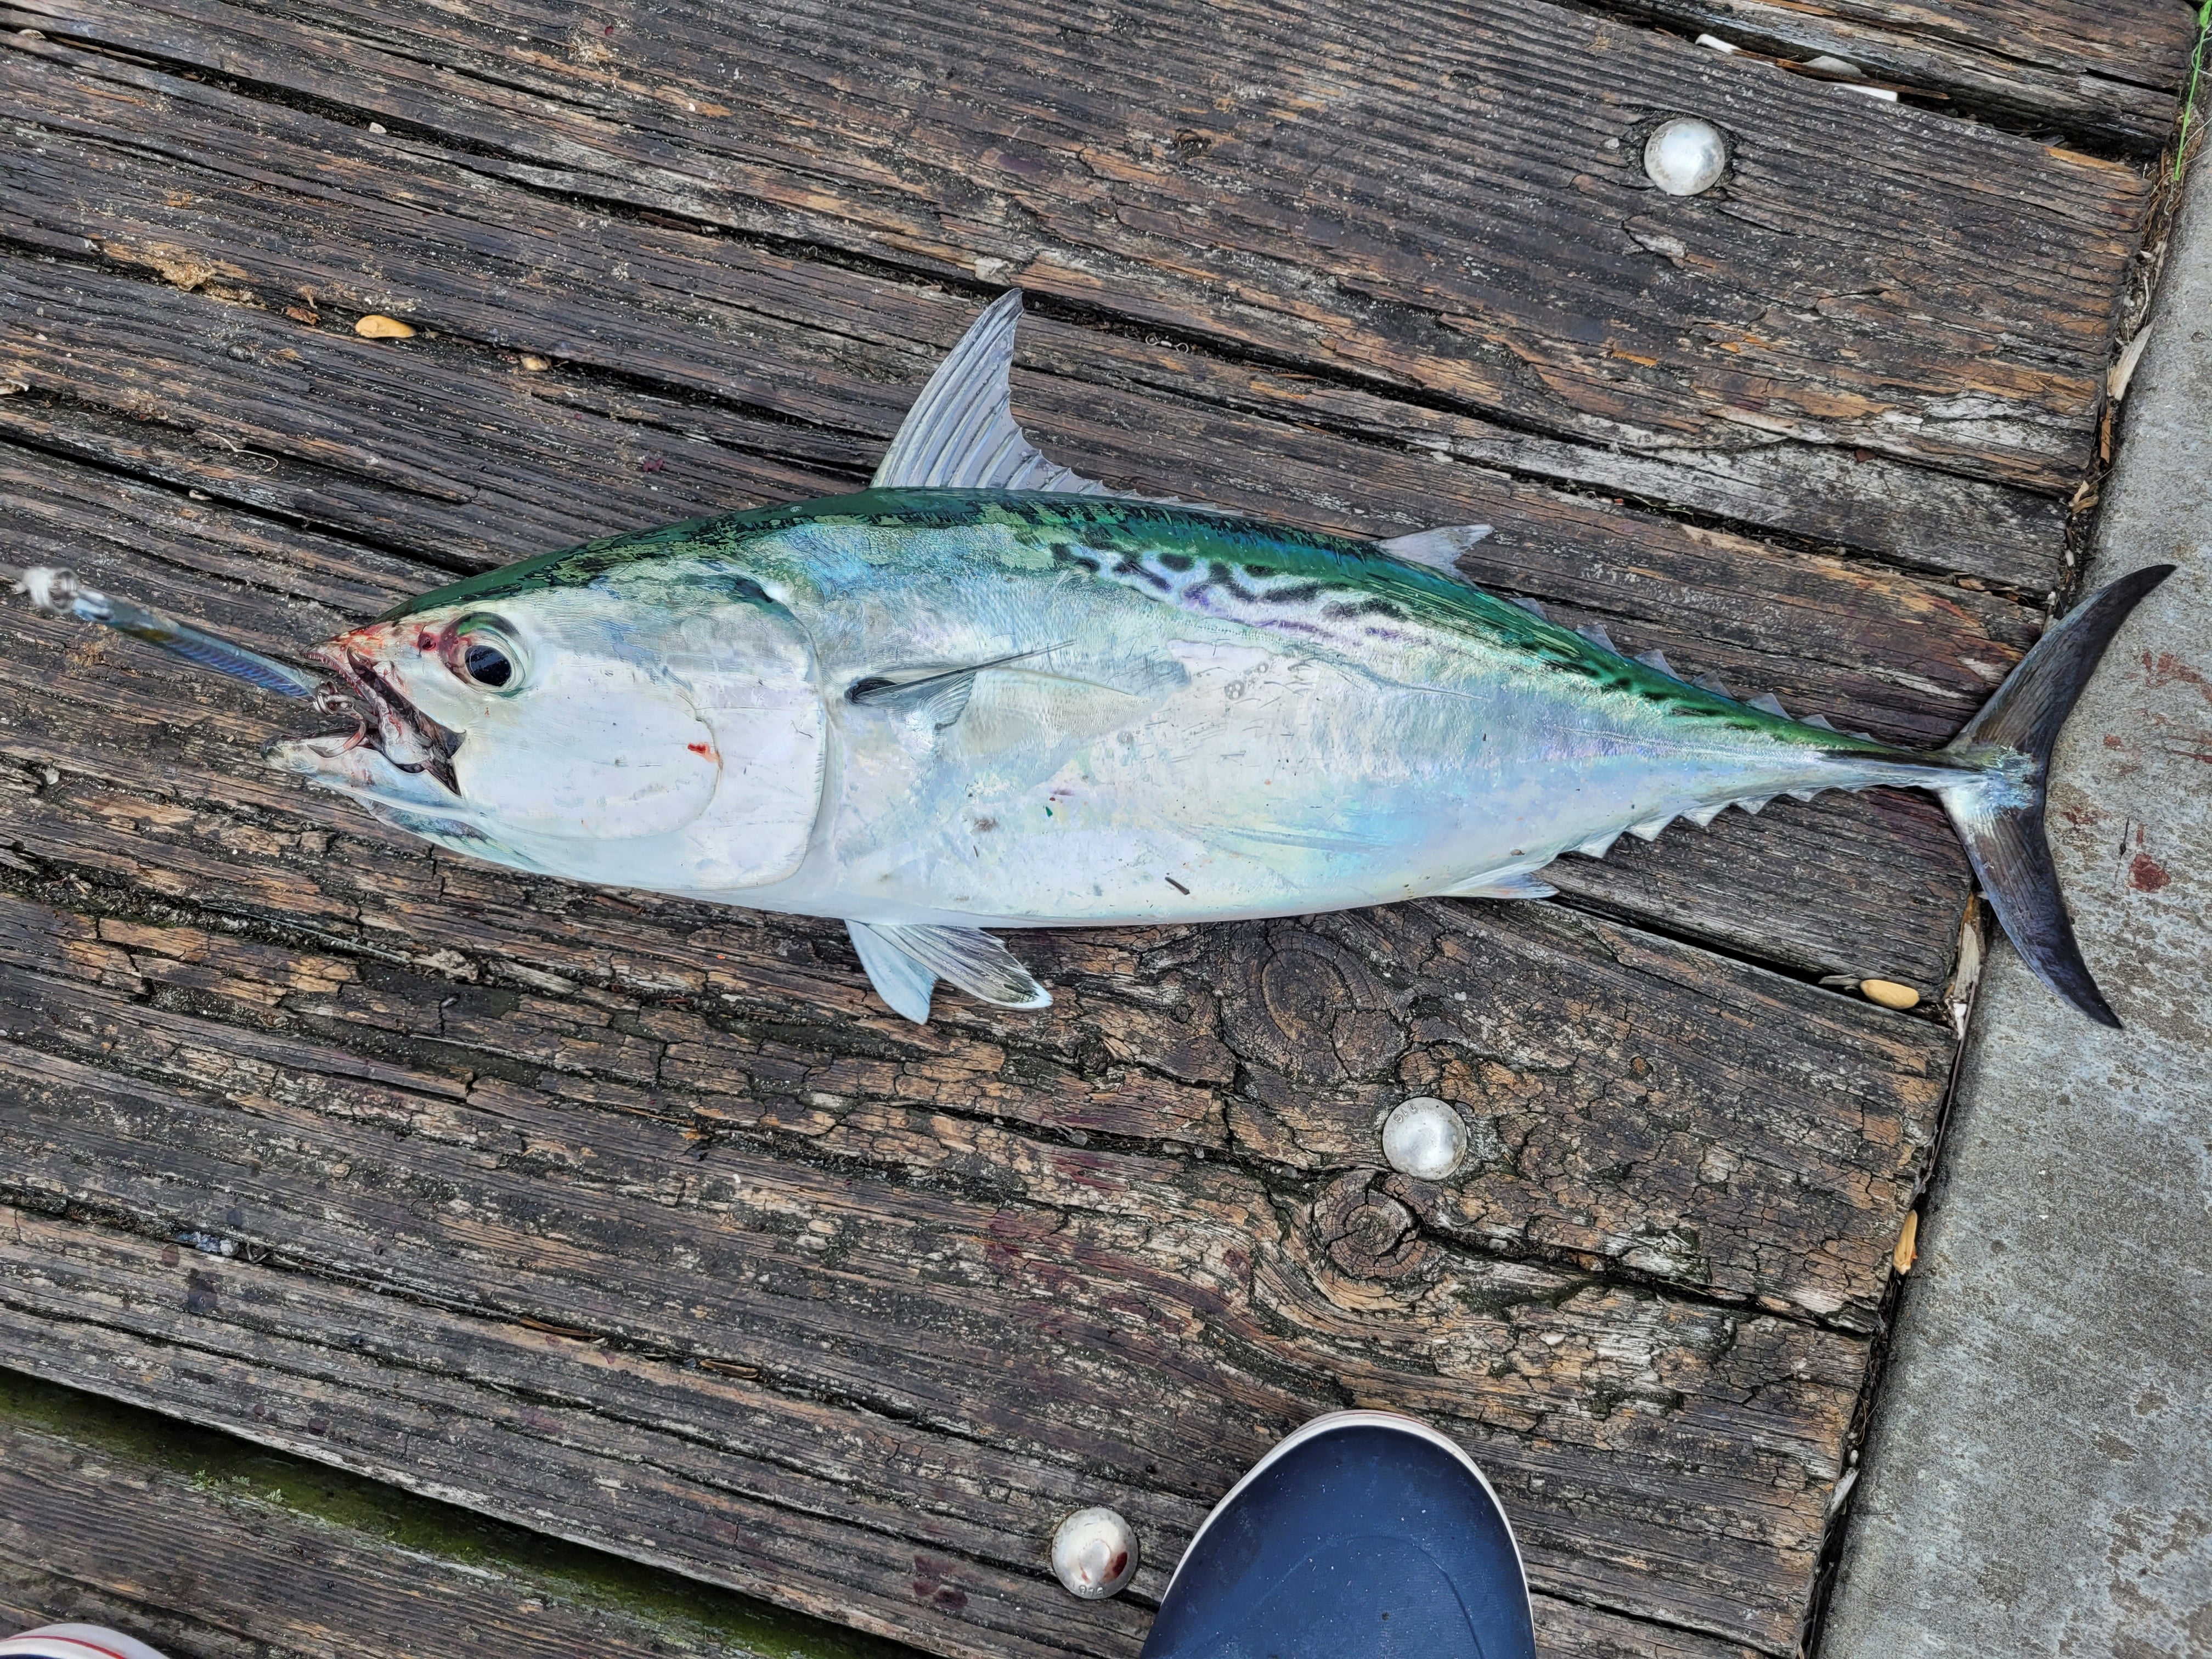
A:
(1439, 548)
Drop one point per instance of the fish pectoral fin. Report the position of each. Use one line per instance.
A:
(940, 699)
(940, 694)
(900, 980)
(905, 959)
(1439, 548)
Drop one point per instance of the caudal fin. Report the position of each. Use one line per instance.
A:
(1999, 814)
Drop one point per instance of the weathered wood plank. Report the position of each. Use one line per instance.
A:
(424, 449)
(1942, 296)
(1268, 1067)
(213, 1548)
(2106, 72)
(219, 1549)
(942, 1363)
(265, 204)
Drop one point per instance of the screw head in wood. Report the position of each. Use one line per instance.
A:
(1423, 1138)
(1095, 1553)
(1685, 156)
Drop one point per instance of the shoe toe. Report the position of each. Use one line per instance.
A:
(1372, 1538)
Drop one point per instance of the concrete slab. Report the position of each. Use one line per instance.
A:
(2040, 1477)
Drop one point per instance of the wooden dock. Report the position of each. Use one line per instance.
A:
(642, 1224)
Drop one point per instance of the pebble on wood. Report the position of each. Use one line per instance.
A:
(1425, 1138)
(1095, 1553)
(1686, 157)
(377, 326)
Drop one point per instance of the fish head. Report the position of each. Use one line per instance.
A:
(561, 720)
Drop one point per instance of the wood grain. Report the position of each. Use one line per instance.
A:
(212, 1548)
(259, 204)
(1942, 296)
(217, 1549)
(838, 1333)
(2106, 73)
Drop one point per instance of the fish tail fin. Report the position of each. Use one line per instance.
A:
(1998, 806)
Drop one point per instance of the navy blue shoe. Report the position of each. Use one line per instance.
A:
(1363, 1535)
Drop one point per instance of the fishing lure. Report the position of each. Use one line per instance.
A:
(985, 692)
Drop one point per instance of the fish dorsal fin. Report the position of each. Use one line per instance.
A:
(1534, 607)
(1650, 828)
(1754, 805)
(1714, 684)
(1598, 846)
(1767, 704)
(905, 959)
(1439, 548)
(1820, 720)
(1657, 659)
(1703, 817)
(961, 434)
(1596, 634)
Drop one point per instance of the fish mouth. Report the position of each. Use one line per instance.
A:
(396, 756)
(388, 721)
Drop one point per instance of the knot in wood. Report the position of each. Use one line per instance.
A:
(1367, 1233)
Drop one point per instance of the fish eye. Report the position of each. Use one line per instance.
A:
(481, 652)
(486, 664)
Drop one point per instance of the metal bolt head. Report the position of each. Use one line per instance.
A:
(1686, 157)
(1423, 1138)
(1095, 1553)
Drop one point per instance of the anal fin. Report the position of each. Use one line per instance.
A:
(1520, 886)
(904, 960)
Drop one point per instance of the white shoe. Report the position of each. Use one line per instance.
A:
(75, 1641)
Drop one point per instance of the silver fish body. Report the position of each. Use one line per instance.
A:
(988, 694)
(1192, 717)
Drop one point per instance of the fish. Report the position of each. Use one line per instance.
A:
(986, 694)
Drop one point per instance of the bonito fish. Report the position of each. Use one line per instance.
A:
(986, 693)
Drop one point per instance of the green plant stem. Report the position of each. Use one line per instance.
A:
(2189, 97)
